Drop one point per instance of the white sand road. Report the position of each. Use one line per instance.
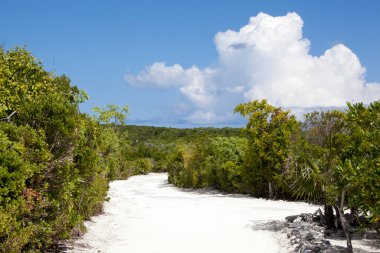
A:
(147, 215)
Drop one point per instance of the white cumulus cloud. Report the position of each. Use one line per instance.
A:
(267, 58)
(195, 84)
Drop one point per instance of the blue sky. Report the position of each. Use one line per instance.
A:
(161, 57)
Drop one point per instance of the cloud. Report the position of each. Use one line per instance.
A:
(195, 84)
(203, 117)
(267, 58)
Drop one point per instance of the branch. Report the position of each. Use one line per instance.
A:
(8, 119)
(342, 199)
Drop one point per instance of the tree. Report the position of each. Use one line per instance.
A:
(341, 165)
(269, 131)
(324, 133)
(363, 152)
(112, 114)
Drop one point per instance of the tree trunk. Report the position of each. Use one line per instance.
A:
(339, 223)
(354, 217)
(329, 217)
(345, 225)
(270, 190)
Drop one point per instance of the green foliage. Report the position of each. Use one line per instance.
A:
(112, 114)
(340, 157)
(143, 166)
(55, 163)
(269, 132)
(211, 162)
(169, 135)
(358, 171)
(315, 157)
(160, 143)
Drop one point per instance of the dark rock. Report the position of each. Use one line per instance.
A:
(306, 226)
(316, 248)
(307, 217)
(308, 236)
(295, 232)
(327, 242)
(291, 218)
(335, 249)
(316, 218)
(328, 232)
(306, 248)
(372, 235)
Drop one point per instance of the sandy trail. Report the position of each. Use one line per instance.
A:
(146, 215)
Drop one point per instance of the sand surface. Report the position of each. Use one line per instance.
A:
(147, 215)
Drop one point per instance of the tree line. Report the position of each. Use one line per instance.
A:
(331, 158)
(153, 147)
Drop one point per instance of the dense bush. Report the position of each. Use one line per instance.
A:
(211, 162)
(160, 143)
(55, 163)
